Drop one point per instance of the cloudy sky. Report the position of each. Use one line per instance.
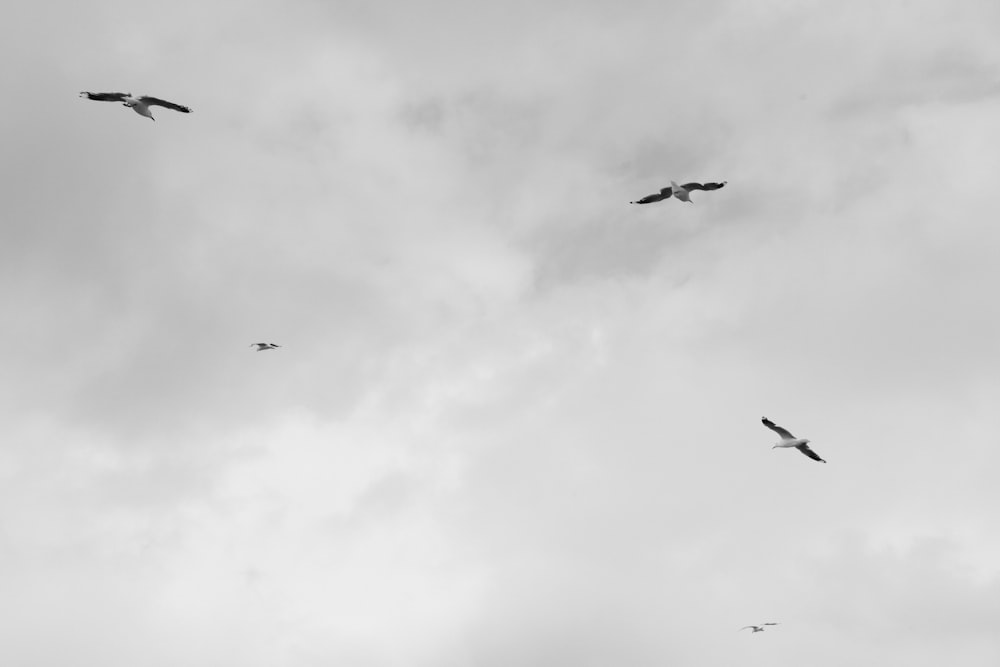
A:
(515, 421)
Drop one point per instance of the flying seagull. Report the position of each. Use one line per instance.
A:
(756, 628)
(679, 191)
(140, 104)
(789, 440)
(264, 346)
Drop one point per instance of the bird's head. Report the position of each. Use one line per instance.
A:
(805, 442)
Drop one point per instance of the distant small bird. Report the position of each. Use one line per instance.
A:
(756, 628)
(789, 440)
(264, 346)
(679, 191)
(140, 104)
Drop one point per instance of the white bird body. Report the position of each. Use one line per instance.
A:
(137, 106)
(792, 443)
(680, 192)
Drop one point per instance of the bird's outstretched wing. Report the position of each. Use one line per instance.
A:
(105, 97)
(814, 456)
(747, 627)
(157, 102)
(649, 199)
(770, 623)
(704, 186)
(667, 191)
(785, 435)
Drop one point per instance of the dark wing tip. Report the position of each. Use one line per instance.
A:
(810, 453)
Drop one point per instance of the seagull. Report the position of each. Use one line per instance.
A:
(679, 191)
(756, 628)
(264, 346)
(140, 104)
(789, 440)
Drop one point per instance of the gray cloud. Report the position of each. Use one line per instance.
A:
(514, 419)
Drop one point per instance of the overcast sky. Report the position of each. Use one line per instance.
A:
(515, 421)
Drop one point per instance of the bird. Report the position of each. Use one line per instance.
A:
(756, 628)
(264, 346)
(789, 440)
(679, 191)
(139, 104)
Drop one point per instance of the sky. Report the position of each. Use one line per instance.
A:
(514, 420)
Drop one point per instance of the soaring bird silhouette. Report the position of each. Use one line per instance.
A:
(679, 191)
(789, 440)
(264, 346)
(756, 628)
(139, 104)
